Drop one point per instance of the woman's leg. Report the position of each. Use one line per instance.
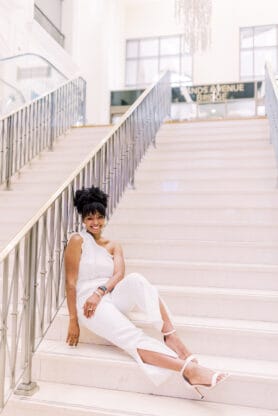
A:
(172, 340)
(193, 372)
(135, 290)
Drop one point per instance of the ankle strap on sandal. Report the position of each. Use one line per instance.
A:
(187, 361)
(169, 333)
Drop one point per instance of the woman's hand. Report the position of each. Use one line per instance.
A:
(90, 305)
(73, 333)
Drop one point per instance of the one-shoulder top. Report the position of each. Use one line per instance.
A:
(96, 265)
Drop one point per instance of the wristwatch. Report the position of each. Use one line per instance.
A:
(103, 288)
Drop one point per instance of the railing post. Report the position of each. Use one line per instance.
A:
(83, 104)
(3, 331)
(28, 387)
(9, 153)
(52, 119)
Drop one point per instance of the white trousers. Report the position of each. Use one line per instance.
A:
(110, 321)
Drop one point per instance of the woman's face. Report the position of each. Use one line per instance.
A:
(94, 222)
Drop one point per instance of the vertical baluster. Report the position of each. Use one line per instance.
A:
(27, 387)
(3, 330)
(14, 314)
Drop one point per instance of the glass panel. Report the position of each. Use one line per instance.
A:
(212, 111)
(265, 36)
(148, 70)
(243, 108)
(263, 55)
(183, 111)
(246, 38)
(170, 63)
(25, 77)
(131, 72)
(148, 47)
(170, 46)
(132, 48)
(246, 63)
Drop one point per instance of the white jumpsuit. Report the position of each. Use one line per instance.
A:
(109, 320)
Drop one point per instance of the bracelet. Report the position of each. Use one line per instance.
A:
(103, 289)
(97, 293)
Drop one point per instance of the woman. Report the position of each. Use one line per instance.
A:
(99, 297)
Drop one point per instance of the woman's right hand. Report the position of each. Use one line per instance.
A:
(73, 333)
(90, 305)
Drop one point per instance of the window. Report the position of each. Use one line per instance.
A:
(147, 57)
(257, 45)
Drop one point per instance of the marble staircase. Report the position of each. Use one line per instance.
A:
(201, 225)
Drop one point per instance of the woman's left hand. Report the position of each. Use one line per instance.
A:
(90, 305)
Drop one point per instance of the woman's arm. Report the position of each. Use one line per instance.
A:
(119, 267)
(72, 259)
(118, 273)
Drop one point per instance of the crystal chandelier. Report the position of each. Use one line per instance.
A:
(195, 17)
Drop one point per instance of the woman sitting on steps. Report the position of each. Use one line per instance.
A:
(99, 297)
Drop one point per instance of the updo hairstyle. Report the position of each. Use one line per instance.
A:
(90, 201)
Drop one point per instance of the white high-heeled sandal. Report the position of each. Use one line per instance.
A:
(173, 331)
(165, 334)
(196, 387)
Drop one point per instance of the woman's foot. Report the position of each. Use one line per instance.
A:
(175, 343)
(197, 375)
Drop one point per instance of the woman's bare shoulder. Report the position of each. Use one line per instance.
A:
(75, 240)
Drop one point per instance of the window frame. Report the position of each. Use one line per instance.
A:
(180, 55)
(253, 50)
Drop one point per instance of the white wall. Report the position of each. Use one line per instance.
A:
(97, 46)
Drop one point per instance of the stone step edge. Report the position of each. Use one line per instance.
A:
(204, 323)
(181, 243)
(120, 222)
(204, 265)
(186, 405)
(221, 363)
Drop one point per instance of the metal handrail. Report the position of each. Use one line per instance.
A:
(271, 105)
(34, 126)
(48, 25)
(37, 55)
(31, 265)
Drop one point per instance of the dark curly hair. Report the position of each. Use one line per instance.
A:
(90, 201)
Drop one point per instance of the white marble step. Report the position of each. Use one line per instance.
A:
(206, 215)
(207, 173)
(252, 382)
(206, 274)
(216, 336)
(245, 126)
(220, 185)
(195, 231)
(205, 199)
(201, 251)
(209, 163)
(73, 400)
(190, 145)
(227, 303)
(172, 154)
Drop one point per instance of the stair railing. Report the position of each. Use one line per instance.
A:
(34, 127)
(31, 266)
(271, 106)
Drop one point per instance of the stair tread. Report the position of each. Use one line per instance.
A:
(268, 328)
(237, 366)
(203, 264)
(122, 403)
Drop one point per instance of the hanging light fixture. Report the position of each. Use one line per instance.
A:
(195, 17)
